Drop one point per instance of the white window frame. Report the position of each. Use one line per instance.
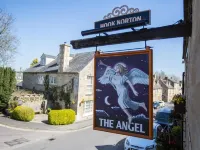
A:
(89, 90)
(52, 80)
(41, 79)
(89, 107)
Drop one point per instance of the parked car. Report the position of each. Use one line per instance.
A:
(156, 105)
(135, 143)
(162, 103)
(163, 116)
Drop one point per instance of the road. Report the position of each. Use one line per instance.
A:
(86, 139)
(11, 139)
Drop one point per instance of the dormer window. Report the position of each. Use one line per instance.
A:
(42, 61)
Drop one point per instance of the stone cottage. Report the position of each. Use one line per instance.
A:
(157, 89)
(165, 89)
(72, 72)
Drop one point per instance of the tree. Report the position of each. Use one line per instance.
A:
(7, 85)
(8, 41)
(35, 61)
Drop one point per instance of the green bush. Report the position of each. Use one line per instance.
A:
(178, 98)
(12, 104)
(3, 101)
(48, 110)
(23, 113)
(61, 117)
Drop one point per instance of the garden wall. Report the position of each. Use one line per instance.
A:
(34, 101)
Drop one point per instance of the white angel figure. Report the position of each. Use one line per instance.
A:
(117, 77)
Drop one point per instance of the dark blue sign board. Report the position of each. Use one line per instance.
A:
(134, 20)
(123, 93)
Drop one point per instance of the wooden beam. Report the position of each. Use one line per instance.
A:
(171, 31)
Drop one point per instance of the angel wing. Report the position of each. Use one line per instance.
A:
(136, 76)
(106, 77)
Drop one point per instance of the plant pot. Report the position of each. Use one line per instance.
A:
(179, 108)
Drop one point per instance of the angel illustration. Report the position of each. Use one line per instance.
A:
(117, 77)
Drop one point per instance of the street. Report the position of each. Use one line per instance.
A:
(86, 139)
(11, 138)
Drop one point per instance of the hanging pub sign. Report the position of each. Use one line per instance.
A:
(123, 93)
(121, 18)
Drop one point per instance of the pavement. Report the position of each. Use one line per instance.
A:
(18, 135)
(43, 127)
(11, 139)
(87, 139)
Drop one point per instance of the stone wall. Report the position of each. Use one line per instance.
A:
(30, 80)
(192, 85)
(34, 101)
(87, 71)
(157, 94)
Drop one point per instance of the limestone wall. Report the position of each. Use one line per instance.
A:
(192, 85)
(30, 80)
(34, 101)
(82, 95)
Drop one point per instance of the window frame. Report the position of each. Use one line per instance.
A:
(39, 80)
(89, 89)
(54, 79)
(90, 107)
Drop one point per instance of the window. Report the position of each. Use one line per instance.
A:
(42, 61)
(52, 80)
(89, 85)
(89, 80)
(88, 107)
(40, 79)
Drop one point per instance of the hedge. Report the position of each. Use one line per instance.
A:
(61, 117)
(7, 86)
(23, 113)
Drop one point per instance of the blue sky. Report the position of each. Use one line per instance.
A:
(42, 25)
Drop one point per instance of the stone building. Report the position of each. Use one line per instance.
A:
(74, 73)
(191, 56)
(165, 89)
(157, 89)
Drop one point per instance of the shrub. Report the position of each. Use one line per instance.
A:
(23, 113)
(12, 104)
(178, 99)
(4, 101)
(61, 117)
(48, 110)
(176, 131)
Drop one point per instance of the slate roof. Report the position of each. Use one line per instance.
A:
(78, 62)
(167, 85)
(157, 86)
(170, 87)
(172, 80)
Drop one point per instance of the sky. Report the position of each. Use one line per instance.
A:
(42, 25)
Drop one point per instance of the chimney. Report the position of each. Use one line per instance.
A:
(64, 57)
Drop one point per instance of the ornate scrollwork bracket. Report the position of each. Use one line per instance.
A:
(119, 11)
